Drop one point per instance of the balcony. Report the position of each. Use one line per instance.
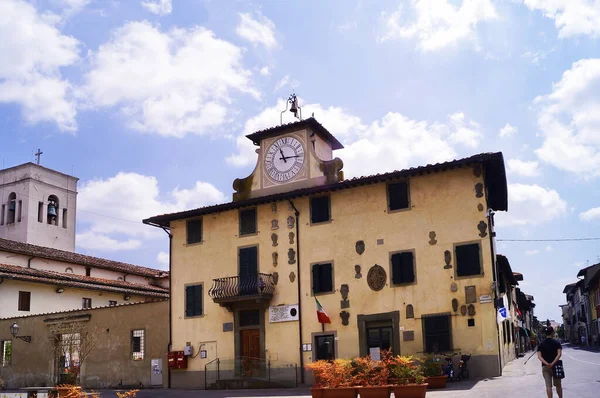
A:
(235, 289)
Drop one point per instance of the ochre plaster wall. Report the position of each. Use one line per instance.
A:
(444, 202)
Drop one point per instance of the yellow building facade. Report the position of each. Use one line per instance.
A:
(402, 261)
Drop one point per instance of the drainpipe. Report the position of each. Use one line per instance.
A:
(297, 214)
(29, 262)
(492, 234)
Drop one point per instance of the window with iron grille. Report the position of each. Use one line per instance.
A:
(248, 221)
(468, 260)
(322, 278)
(137, 345)
(320, 209)
(6, 353)
(194, 231)
(403, 268)
(86, 303)
(436, 329)
(398, 196)
(24, 301)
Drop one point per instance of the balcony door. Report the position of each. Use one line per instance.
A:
(248, 270)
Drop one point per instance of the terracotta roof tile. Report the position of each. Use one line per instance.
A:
(76, 258)
(310, 122)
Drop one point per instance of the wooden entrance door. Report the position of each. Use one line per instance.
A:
(251, 355)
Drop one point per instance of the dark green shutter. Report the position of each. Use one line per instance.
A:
(198, 310)
(316, 280)
(396, 268)
(326, 278)
(189, 300)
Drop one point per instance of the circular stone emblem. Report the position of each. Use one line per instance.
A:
(376, 278)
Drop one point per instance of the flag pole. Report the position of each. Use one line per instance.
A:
(322, 327)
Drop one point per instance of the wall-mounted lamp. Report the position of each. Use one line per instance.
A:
(60, 290)
(126, 297)
(14, 330)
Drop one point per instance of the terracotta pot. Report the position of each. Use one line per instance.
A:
(374, 391)
(316, 392)
(410, 391)
(339, 392)
(436, 381)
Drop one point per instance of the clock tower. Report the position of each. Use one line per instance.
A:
(291, 156)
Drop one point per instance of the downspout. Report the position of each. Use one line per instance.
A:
(297, 214)
(29, 262)
(492, 234)
(170, 317)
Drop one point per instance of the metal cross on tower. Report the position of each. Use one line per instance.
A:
(38, 155)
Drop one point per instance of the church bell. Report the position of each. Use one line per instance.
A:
(52, 210)
(294, 107)
(11, 205)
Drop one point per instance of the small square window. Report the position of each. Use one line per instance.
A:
(403, 268)
(325, 347)
(24, 301)
(471, 322)
(194, 231)
(86, 303)
(88, 271)
(112, 303)
(398, 196)
(248, 221)
(319, 209)
(468, 260)
(322, 278)
(137, 345)
(193, 300)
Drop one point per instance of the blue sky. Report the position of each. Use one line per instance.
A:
(147, 103)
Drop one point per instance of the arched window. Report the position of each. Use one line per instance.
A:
(12, 208)
(52, 210)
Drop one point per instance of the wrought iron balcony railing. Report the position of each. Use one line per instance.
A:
(240, 288)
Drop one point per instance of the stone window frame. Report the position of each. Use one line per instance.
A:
(142, 345)
(24, 301)
(255, 208)
(185, 316)
(257, 257)
(481, 262)
(333, 333)
(187, 221)
(387, 196)
(362, 320)
(391, 269)
(310, 210)
(312, 291)
(423, 334)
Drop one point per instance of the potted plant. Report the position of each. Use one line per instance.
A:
(371, 377)
(332, 379)
(432, 370)
(410, 382)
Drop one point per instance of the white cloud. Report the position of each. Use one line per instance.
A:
(569, 120)
(523, 168)
(549, 248)
(571, 17)
(507, 131)
(162, 82)
(531, 252)
(31, 63)
(591, 214)
(159, 7)
(284, 82)
(257, 31)
(97, 242)
(347, 26)
(113, 209)
(537, 56)
(531, 205)
(162, 258)
(393, 142)
(265, 71)
(437, 23)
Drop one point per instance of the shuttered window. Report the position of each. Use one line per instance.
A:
(193, 300)
(403, 268)
(194, 231)
(468, 260)
(398, 196)
(248, 222)
(322, 278)
(319, 209)
(24, 301)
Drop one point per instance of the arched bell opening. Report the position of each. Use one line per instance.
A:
(12, 208)
(52, 210)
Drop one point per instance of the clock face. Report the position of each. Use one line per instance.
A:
(284, 159)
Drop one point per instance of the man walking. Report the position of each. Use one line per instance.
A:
(549, 352)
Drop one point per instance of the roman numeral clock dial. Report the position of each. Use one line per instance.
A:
(284, 159)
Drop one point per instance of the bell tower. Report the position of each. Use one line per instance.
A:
(37, 206)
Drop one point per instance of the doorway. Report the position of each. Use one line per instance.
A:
(377, 332)
(250, 342)
(251, 355)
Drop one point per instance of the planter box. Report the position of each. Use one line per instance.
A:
(374, 391)
(410, 391)
(436, 381)
(339, 392)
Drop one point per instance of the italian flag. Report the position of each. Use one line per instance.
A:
(321, 314)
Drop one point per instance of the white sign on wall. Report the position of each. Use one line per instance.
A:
(283, 313)
(485, 298)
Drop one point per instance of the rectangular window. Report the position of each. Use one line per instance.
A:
(468, 260)
(64, 218)
(325, 347)
(6, 347)
(194, 231)
(403, 268)
(24, 301)
(322, 278)
(319, 209)
(193, 300)
(112, 303)
(249, 318)
(137, 345)
(41, 212)
(398, 196)
(88, 271)
(248, 222)
(86, 303)
(436, 330)
(2, 215)
(19, 210)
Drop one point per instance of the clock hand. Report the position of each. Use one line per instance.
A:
(293, 156)
(282, 156)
